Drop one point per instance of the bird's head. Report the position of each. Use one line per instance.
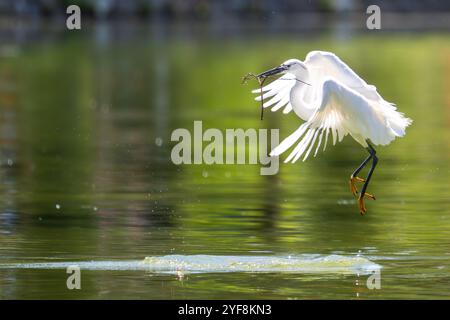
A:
(294, 66)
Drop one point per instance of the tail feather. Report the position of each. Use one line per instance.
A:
(399, 123)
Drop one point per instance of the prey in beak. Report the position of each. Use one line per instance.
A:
(262, 77)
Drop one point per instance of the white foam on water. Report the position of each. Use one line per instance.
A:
(307, 263)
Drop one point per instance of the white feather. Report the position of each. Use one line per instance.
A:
(278, 91)
(335, 101)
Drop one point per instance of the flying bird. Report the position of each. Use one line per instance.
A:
(333, 101)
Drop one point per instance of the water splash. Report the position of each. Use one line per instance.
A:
(173, 264)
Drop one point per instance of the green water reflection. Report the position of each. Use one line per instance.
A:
(86, 177)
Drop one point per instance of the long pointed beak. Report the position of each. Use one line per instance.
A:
(272, 72)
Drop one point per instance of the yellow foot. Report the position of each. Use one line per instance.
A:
(352, 184)
(362, 206)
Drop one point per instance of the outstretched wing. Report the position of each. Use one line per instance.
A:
(341, 111)
(279, 92)
(324, 64)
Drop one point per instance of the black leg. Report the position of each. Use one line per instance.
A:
(354, 178)
(355, 173)
(374, 164)
(362, 207)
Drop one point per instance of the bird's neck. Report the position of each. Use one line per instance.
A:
(301, 100)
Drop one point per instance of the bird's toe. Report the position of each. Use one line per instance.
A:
(362, 206)
(353, 186)
(370, 196)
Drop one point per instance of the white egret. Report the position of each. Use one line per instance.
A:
(332, 99)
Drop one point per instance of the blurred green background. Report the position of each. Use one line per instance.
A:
(85, 124)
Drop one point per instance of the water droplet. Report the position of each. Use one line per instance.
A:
(57, 206)
(10, 162)
(158, 141)
(180, 275)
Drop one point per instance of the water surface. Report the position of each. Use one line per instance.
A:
(86, 172)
